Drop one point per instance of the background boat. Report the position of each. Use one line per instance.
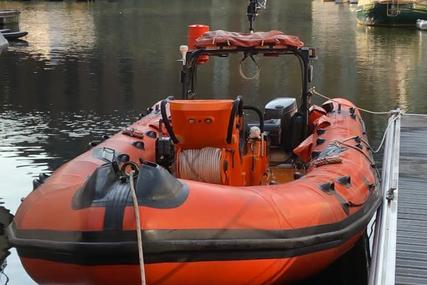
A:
(391, 12)
(9, 16)
(5, 219)
(3, 43)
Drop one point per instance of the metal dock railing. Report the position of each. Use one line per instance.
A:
(399, 252)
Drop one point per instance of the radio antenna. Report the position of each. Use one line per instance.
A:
(252, 11)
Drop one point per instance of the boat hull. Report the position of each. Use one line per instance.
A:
(405, 15)
(203, 233)
(4, 44)
(258, 271)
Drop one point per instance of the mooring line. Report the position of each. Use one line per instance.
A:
(138, 228)
(396, 113)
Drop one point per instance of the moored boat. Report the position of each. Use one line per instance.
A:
(5, 220)
(391, 12)
(4, 44)
(422, 24)
(11, 36)
(221, 200)
(9, 17)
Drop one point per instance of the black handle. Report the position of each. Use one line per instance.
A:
(260, 116)
(166, 121)
(237, 109)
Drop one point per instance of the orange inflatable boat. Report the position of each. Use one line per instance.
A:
(222, 200)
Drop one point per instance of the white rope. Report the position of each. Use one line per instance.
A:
(200, 164)
(344, 141)
(385, 134)
(246, 77)
(313, 91)
(397, 113)
(138, 228)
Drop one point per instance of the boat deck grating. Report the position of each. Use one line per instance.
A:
(411, 247)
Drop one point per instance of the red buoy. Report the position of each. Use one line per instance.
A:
(195, 31)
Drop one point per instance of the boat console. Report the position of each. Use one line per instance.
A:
(211, 143)
(209, 140)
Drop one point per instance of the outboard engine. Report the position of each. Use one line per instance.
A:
(277, 121)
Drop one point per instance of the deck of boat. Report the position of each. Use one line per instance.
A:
(411, 241)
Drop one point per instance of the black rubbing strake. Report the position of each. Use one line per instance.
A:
(40, 180)
(119, 247)
(93, 144)
(320, 132)
(315, 154)
(138, 144)
(329, 107)
(319, 141)
(123, 157)
(328, 187)
(344, 180)
(151, 134)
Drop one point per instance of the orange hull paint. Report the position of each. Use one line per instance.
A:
(266, 271)
(313, 224)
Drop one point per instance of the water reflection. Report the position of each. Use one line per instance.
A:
(56, 29)
(40, 141)
(32, 142)
(335, 42)
(395, 56)
(88, 69)
(377, 68)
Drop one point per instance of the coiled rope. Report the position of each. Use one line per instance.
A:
(200, 164)
(138, 227)
(242, 73)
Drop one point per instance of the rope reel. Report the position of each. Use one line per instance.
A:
(200, 164)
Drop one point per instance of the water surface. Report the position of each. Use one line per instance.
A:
(88, 69)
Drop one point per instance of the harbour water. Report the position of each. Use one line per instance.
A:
(88, 69)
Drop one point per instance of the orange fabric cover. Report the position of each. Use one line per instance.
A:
(224, 38)
(315, 113)
(303, 150)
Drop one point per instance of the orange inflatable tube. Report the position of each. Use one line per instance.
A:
(78, 226)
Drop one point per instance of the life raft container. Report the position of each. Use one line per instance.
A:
(78, 225)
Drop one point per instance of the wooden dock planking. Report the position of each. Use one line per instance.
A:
(411, 245)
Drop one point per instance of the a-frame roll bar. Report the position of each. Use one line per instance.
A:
(304, 55)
